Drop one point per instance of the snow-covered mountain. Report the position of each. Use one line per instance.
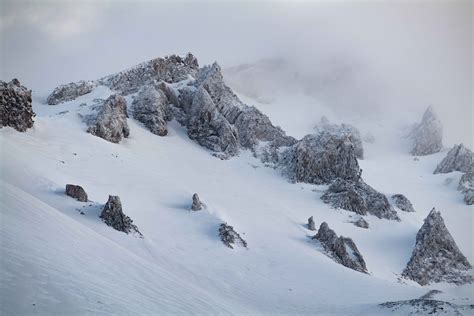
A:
(59, 257)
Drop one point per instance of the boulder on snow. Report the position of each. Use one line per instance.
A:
(77, 192)
(402, 202)
(197, 204)
(466, 186)
(362, 223)
(436, 257)
(112, 214)
(341, 249)
(111, 122)
(359, 197)
(152, 108)
(427, 136)
(15, 106)
(311, 224)
(230, 237)
(320, 159)
(459, 158)
(70, 91)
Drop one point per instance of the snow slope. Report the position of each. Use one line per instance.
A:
(56, 261)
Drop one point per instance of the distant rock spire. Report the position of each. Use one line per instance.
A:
(427, 136)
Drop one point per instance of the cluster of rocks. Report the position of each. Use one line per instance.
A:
(360, 198)
(426, 305)
(230, 237)
(466, 186)
(402, 202)
(436, 257)
(15, 106)
(341, 249)
(76, 192)
(112, 214)
(459, 158)
(427, 136)
(70, 91)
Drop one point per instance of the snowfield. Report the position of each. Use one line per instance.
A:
(55, 260)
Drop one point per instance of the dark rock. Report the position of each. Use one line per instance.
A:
(77, 192)
(341, 249)
(427, 306)
(459, 158)
(362, 223)
(197, 204)
(15, 106)
(112, 214)
(111, 122)
(230, 237)
(311, 224)
(427, 136)
(436, 257)
(466, 186)
(70, 91)
(359, 197)
(402, 203)
(151, 107)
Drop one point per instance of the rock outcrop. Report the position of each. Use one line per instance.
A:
(320, 159)
(341, 249)
(402, 202)
(466, 186)
(15, 106)
(70, 91)
(112, 214)
(230, 237)
(359, 197)
(362, 223)
(152, 108)
(197, 204)
(111, 122)
(76, 192)
(311, 224)
(427, 136)
(436, 257)
(344, 130)
(459, 158)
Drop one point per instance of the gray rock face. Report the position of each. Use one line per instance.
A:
(311, 224)
(359, 197)
(362, 223)
(466, 186)
(427, 306)
(344, 130)
(112, 214)
(230, 237)
(70, 91)
(459, 158)
(436, 257)
(320, 159)
(111, 122)
(427, 136)
(197, 204)
(15, 106)
(152, 108)
(341, 249)
(77, 192)
(402, 202)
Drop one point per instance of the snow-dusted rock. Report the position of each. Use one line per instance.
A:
(362, 223)
(230, 237)
(197, 204)
(466, 186)
(320, 159)
(311, 224)
(402, 202)
(70, 91)
(76, 192)
(359, 197)
(459, 158)
(15, 106)
(152, 108)
(111, 122)
(436, 257)
(427, 136)
(426, 306)
(341, 249)
(112, 214)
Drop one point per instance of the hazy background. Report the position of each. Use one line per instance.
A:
(384, 57)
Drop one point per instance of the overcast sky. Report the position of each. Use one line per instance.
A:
(418, 53)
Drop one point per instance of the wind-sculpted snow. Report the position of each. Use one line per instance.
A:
(230, 237)
(111, 121)
(459, 158)
(341, 249)
(15, 106)
(466, 186)
(70, 91)
(427, 136)
(436, 257)
(152, 108)
(402, 202)
(112, 214)
(359, 197)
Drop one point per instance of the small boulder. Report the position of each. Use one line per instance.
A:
(311, 224)
(230, 237)
(70, 91)
(197, 204)
(112, 214)
(77, 192)
(459, 158)
(402, 202)
(427, 136)
(362, 223)
(15, 106)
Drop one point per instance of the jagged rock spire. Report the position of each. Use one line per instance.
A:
(459, 158)
(427, 136)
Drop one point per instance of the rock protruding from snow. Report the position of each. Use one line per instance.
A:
(362, 223)
(197, 204)
(230, 237)
(77, 192)
(402, 202)
(427, 306)
(436, 257)
(70, 91)
(466, 186)
(341, 249)
(15, 106)
(111, 122)
(112, 214)
(359, 197)
(427, 136)
(347, 130)
(320, 159)
(459, 158)
(152, 108)
(311, 224)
